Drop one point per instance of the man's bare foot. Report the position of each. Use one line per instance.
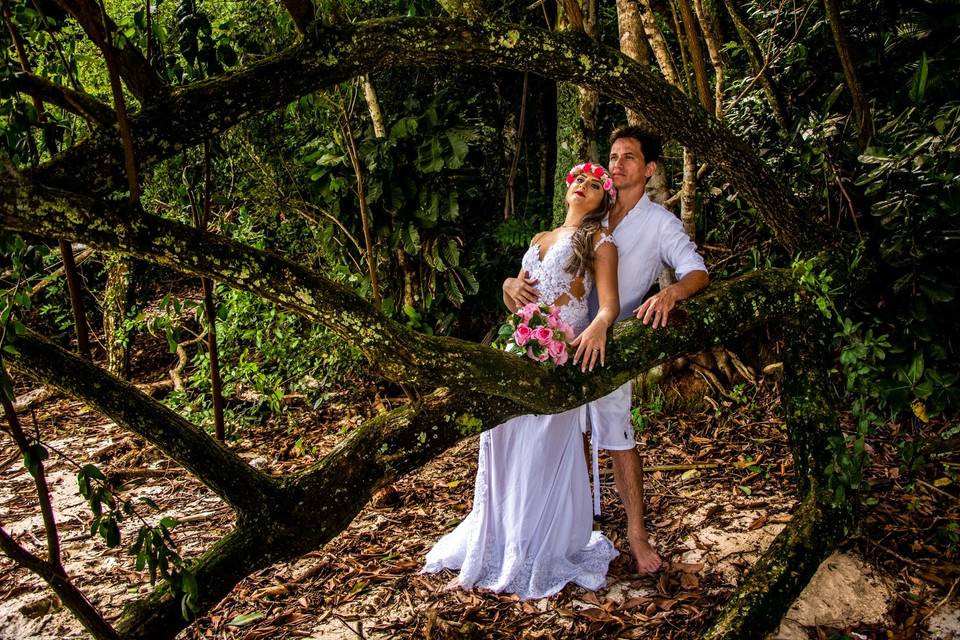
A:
(647, 559)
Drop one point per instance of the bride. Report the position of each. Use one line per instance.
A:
(530, 530)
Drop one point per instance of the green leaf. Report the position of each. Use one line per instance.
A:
(244, 619)
(918, 87)
(33, 456)
(916, 368)
(451, 252)
(453, 290)
(168, 522)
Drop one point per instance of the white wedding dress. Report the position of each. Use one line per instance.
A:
(530, 530)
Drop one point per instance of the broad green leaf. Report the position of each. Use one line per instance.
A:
(244, 619)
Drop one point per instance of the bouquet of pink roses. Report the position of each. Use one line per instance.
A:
(537, 332)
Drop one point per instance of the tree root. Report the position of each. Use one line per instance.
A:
(784, 569)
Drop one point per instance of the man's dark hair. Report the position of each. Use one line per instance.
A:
(649, 141)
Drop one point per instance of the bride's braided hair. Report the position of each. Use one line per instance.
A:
(582, 240)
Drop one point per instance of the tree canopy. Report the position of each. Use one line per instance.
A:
(227, 143)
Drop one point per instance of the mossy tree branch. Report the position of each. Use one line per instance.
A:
(400, 354)
(240, 485)
(77, 102)
(190, 115)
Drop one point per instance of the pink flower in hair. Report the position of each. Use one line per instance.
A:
(598, 172)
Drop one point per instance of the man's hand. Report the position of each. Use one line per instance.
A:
(521, 290)
(657, 308)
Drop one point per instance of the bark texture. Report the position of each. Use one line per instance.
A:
(194, 113)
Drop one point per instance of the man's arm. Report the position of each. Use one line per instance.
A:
(657, 307)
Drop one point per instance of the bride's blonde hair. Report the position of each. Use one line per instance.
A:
(582, 243)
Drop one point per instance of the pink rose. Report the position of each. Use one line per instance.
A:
(598, 172)
(543, 357)
(526, 311)
(567, 331)
(556, 347)
(543, 335)
(553, 321)
(561, 358)
(521, 335)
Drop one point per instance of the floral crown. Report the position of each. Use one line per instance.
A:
(598, 172)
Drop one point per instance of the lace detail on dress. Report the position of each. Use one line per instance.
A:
(604, 239)
(555, 283)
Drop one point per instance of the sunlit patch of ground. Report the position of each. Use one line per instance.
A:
(719, 489)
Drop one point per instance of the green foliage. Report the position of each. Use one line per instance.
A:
(154, 548)
(412, 193)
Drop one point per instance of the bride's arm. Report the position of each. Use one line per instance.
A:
(592, 343)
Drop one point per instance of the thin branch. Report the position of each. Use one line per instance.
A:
(139, 76)
(79, 103)
(88, 615)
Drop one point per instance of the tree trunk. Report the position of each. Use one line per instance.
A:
(118, 298)
(373, 106)
(633, 43)
(688, 194)
(861, 106)
(576, 109)
(707, 17)
(659, 44)
(759, 64)
(692, 41)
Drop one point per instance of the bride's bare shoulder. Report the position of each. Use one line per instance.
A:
(540, 236)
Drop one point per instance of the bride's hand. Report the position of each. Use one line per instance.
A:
(591, 346)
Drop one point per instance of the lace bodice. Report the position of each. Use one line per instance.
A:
(556, 285)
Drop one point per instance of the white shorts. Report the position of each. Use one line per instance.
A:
(608, 420)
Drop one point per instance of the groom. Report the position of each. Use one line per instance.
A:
(649, 238)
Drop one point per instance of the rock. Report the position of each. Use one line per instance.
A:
(844, 592)
(41, 607)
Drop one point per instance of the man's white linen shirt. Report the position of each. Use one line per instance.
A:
(648, 239)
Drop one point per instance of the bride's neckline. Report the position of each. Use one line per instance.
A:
(542, 254)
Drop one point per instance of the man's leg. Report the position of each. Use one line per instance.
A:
(628, 474)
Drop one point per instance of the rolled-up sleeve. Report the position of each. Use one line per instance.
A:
(677, 250)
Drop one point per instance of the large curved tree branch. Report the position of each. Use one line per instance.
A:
(400, 354)
(188, 116)
(239, 484)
